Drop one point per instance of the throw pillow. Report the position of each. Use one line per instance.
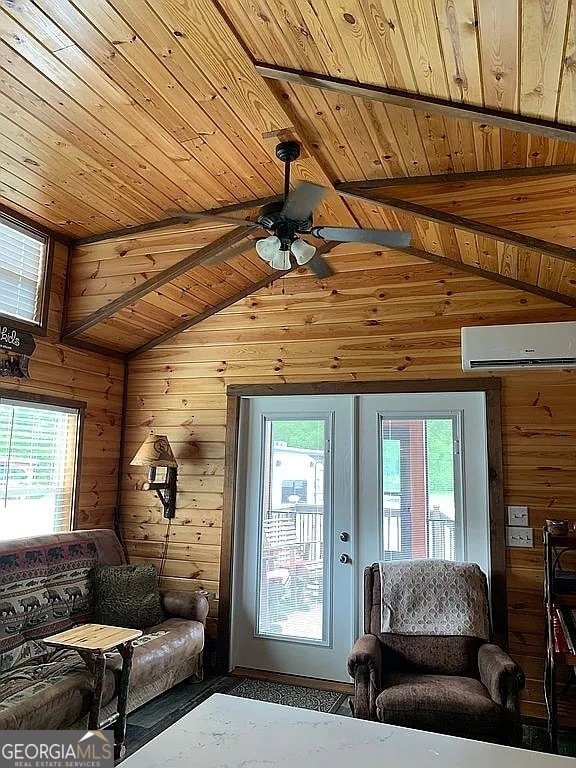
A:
(126, 596)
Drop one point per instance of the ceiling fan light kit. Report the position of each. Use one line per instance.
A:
(268, 247)
(302, 251)
(292, 217)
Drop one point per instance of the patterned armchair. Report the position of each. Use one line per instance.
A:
(453, 684)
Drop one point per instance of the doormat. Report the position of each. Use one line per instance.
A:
(289, 695)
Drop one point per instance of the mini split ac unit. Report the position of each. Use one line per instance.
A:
(534, 345)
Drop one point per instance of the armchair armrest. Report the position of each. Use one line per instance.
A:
(185, 605)
(365, 666)
(500, 674)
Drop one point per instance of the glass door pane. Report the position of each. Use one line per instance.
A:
(292, 573)
(418, 502)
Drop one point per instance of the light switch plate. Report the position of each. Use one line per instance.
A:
(519, 536)
(517, 515)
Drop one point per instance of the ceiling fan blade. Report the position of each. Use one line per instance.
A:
(231, 252)
(320, 266)
(302, 200)
(388, 238)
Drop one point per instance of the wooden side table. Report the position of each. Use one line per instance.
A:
(92, 641)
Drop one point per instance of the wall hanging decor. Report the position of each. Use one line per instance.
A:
(16, 347)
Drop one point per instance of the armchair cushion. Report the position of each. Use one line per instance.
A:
(459, 706)
(431, 655)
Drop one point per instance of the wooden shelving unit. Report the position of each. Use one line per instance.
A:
(555, 547)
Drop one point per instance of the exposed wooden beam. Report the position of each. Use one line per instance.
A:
(310, 166)
(88, 346)
(545, 247)
(508, 120)
(199, 257)
(494, 276)
(182, 218)
(502, 174)
(183, 326)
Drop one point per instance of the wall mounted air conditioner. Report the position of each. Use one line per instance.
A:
(533, 345)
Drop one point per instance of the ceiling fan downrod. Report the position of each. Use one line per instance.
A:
(287, 152)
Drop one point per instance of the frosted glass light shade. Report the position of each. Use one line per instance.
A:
(302, 251)
(268, 247)
(281, 261)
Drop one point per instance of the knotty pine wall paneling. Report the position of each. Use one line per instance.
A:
(60, 371)
(380, 317)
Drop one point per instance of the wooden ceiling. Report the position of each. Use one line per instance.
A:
(454, 119)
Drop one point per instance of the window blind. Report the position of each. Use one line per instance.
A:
(292, 573)
(420, 513)
(22, 261)
(38, 447)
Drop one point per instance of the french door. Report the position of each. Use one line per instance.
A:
(293, 598)
(329, 484)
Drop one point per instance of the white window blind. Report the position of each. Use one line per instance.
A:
(22, 263)
(38, 447)
(292, 567)
(421, 510)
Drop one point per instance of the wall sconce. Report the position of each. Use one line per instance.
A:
(155, 452)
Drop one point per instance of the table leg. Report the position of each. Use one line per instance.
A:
(126, 650)
(99, 670)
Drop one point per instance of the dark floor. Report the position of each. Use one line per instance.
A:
(153, 718)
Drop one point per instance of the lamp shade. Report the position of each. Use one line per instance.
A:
(302, 251)
(155, 451)
(281, 261)
(268, 247)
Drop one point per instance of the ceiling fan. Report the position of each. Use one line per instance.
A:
(288, 219)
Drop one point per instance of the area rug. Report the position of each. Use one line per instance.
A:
(289, 695)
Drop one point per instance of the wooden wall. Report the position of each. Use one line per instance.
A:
(399, 321)
(60, 371)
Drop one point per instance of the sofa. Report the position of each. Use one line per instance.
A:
(45, 588)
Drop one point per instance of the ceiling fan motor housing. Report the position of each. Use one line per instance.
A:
(270, 218)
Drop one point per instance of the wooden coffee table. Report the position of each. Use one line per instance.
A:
(92, 641)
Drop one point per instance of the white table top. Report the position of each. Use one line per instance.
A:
(231, 732)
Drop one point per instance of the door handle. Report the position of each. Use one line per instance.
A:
(344, 536)
(345, 558)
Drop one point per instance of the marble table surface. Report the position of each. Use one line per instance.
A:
(231, 732)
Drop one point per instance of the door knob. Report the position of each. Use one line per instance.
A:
(345, 559)
(344, 536)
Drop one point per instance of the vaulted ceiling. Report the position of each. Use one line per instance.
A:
(121, 121)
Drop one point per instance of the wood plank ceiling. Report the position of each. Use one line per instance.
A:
(117, 114)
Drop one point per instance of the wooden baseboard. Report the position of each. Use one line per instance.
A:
(307, 682)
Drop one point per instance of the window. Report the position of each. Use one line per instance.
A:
(38, 457)
(421, 507)
(292, 489)
(23, 260)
